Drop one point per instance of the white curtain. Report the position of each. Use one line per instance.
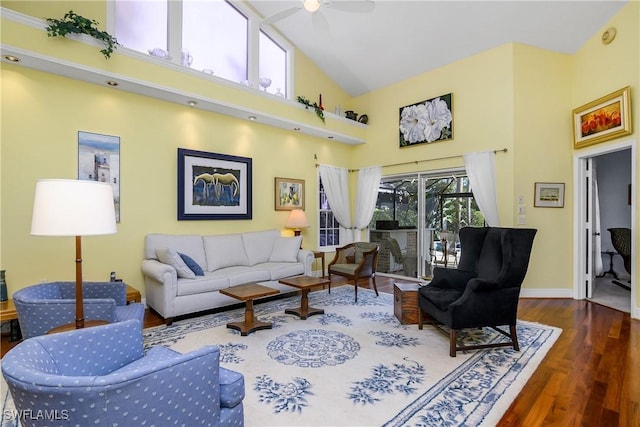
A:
(335, 181)
(597, 241)
(481, 170)
(367, 196)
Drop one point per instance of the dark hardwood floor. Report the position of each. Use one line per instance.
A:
(591, 376)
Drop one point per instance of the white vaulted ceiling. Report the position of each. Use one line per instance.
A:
(399, 39)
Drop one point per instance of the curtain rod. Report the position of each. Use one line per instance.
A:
(504, 150)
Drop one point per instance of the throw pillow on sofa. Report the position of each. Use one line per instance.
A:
(286, 249)
(192, 264)
(171, 257)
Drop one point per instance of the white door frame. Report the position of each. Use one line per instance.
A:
(579, 206)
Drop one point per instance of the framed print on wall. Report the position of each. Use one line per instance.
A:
(99, 160)
(427, 121)
(213, 186)
(289, 194)
(549, 195)
(605, 118)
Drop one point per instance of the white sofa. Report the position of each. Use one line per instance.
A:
(226, 260)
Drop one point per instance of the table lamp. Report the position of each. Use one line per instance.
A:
(297, 220)
(66, 207)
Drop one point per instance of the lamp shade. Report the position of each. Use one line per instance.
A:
(68, 207)
(297, 219)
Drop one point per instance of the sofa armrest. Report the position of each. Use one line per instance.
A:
(158, 271)
(306, 258)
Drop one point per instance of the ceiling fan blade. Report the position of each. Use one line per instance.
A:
(359, 6)
(319, 23)
(280, 15)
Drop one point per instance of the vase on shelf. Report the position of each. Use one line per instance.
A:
(3, 287)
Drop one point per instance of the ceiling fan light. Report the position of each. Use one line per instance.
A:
(311, 5)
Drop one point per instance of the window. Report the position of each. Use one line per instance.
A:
(215, 35)
(211, 36)
(328, 228)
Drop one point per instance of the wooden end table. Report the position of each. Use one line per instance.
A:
(304, 283)
(9, 314)
(248, 293)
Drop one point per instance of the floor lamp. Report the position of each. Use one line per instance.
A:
(67, 207)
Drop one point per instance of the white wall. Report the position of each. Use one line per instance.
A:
(614, 177)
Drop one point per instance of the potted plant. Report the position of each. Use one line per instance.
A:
(72, 23)
(315, 106)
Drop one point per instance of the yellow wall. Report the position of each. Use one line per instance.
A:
(600, 69)
(514, 96)
(41, 115)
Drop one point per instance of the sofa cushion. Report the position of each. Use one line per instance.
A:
(210, 282)
(171, 257)
(224, 251)
(192, 264)
(239, 275)
(259, 245)
(189, 244)
(279, 270)
(286, 249)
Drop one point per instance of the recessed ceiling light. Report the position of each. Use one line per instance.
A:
(12, 58)
(192, 103)
(112, 83)
(252, 117)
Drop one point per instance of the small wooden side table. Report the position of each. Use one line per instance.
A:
(304, 283)
(248, 293)
(319, 254)
(9, 314)
(133, 295)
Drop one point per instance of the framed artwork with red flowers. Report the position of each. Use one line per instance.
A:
(605, 118)
(426, 121)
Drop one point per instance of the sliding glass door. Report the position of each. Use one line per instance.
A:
(417, 219)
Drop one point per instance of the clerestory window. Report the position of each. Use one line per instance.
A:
(211, 36)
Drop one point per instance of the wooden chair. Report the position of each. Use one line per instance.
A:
(355, 261)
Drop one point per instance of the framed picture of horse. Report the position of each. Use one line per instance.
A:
(213, 186)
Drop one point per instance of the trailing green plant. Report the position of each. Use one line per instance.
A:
(319, 112)
(72, 23)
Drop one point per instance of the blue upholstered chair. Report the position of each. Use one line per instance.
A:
(101, 376)
(47, 305)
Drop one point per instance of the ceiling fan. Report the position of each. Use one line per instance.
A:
(312, 6)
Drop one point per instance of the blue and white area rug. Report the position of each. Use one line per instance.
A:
(356, 365)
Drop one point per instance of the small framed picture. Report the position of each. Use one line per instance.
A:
(549, 195)
(289, 194)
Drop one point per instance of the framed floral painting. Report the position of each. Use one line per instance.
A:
(603, 119)
(427, 121)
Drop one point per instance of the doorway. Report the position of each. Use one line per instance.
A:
(603, 200)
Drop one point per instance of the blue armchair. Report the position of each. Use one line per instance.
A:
(101, 376)
(47, 305)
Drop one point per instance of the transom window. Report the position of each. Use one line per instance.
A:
(211, 36)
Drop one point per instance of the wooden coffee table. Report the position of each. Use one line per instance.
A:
(248, 293)
(304, 283)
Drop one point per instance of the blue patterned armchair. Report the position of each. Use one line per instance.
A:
(44, 306)
(101, 376)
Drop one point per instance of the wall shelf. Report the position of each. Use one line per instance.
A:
(127, 70)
